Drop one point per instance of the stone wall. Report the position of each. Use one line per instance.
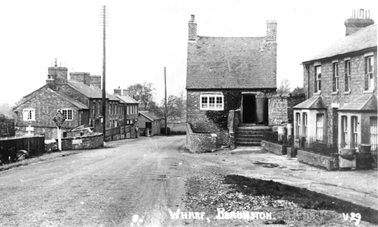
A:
(200, 142)
(83, 142)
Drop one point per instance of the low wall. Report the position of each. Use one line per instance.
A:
(200, 142)
(83, 142)
(330, 163)
(275, 148)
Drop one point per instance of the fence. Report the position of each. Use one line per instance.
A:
(9, 146)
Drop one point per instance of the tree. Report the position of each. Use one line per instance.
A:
(175, 107)
(298, 91)
(6, 109)
(284, 88)
(6, 126)
(142, 93)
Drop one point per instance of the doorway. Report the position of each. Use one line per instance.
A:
(249, 108)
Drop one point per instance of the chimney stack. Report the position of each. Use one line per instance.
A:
(125, 92)
(117, 91)
(56, 75)
(96, 81)
(359, 20)
(81, 77)
(271, 30)
(192, 29)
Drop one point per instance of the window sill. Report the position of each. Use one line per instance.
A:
(368, 92)
(335, 93)
(346, 92)
(318, 93)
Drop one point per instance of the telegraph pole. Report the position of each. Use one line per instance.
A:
(103, 20)
(165, 102)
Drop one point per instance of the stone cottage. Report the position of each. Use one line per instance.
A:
(148, 121)
(131, 109)
(341, 90)
(79, 98)
(226, 74)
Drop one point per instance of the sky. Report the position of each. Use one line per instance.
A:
(144, 36)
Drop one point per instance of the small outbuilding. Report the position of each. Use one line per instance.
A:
(149, 123)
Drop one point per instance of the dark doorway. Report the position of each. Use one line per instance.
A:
(249, 109)
(149, 125)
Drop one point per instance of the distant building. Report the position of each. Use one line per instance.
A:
(79, 98)
(149, 121)
(341, 90)
(131, 109)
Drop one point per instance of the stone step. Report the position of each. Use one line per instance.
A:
(248, 143)
(259, 136)
(253, 129)
(247, 140)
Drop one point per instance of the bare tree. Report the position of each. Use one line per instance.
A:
(142, 93)
(284, 88)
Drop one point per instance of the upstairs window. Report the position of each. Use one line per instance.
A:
(347, 75)
(369, 73)
(211, 102)
(318, 78)
(29, 114)
(67, 113)
(335, 77)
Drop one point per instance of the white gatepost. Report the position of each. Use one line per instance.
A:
(59, 119)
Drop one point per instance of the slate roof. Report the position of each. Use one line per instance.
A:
(149, 115)
(315, 102)
(360, 40)
(90, 91)
(367, 102)
(231, 62)
(79, 105)
(127, 99)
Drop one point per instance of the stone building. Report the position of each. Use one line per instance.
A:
(79, 98)
(149, 121)
(226, 74)
(341, 89)
(131, 109)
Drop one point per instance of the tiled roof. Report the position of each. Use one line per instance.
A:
(367, 102)
(90, 91)
(231, 62)
(73, 101)
(149, 115)
(360, 40)
(127, 99)
(315, 102)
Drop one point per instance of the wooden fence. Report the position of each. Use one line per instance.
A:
(9, 146)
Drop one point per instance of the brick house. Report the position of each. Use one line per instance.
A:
(226, 74)
(341, 89)
(79, 99)
(130, 110)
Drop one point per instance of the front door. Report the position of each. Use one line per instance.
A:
(249, 108)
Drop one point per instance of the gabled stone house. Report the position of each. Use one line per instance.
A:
(341, 90)
(79, 99)
(226, 74)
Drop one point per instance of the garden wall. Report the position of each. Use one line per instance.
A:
(83, 142)
(328, 162)
(200, 142)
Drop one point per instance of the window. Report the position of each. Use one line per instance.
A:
(94, 108)
(211, 102)
(128, 109)
(67, 113)
(98, 107)
(318, 78)
(319, 127)
(29, 114)
(344, 131)
(354, 132)
(347, 76)
(369, 78)
(298, 123)
(335, 78)
(304, 124)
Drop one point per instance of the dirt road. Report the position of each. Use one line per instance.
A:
(119, 186)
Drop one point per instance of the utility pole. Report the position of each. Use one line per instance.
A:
(165, 102)
(103, 19)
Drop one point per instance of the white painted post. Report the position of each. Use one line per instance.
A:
(59, 139)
